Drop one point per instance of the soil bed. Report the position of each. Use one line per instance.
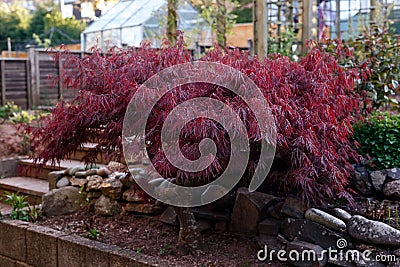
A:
(10, 141)
(147, 235)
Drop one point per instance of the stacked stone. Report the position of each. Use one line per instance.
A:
(290, 225)
(386, 182)
(109, 189)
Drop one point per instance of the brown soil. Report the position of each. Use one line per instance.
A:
(10, 141)
(147, 235)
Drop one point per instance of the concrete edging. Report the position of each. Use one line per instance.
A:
(26, 244)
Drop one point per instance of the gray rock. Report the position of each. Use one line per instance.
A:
(135, 194)
(268, 243)
(306, 230)
(378, 179)
(373, 232)
(169, 194)
(294, 207)
(337, 261)
(63, 182)
(212, 193)
(78, 182)
(126, 179)
(395, 263)
(361, 181)
(117, 175)
(94, 194)
(111, 188)
(115, 166)
(73, 170)
(138, 173)
(360, 262)
(106, 206)
(156, 181)
(103, 172)
(169, 216)
(341, 214)
(206, 212)
(62, 201)
(392, 189)
(249, 208)
(393, 174)
(270, 226)
(53, 178)
(146, 208)
(314, 252)
(94, 183)
(325, 219)
(397, 252)
(81, 174)
(90, 172)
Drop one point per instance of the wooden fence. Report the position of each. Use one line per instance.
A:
(32, 82)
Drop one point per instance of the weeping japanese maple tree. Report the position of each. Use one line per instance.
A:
(312, 102)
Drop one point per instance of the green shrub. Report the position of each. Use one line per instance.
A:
(375, 53)
(379, 139)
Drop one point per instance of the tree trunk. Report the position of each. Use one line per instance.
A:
(221, 23)
(190, 240)
(172, 20)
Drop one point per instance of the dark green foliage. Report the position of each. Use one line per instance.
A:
(379, 138)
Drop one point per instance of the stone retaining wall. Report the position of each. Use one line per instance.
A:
(26, 244)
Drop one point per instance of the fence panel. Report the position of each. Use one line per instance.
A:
(47, 79)
(15, 82)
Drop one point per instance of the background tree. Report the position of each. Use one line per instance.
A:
(14, 21)
(221, 23)
(218, 15)
(172, 20)
(61, 30)
(24, 26)
(243, 11)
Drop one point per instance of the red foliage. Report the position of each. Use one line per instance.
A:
(312, 102)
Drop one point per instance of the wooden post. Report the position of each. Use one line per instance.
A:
(9, 47)
(3, 82)
(309, 30)
(260, 22)
(60, 73)
(33, 76)
(372, 14)
(28, 84)
(337, 19)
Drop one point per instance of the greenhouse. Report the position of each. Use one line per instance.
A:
(130, 22)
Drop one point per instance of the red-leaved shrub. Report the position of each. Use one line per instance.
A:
(312, 102)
